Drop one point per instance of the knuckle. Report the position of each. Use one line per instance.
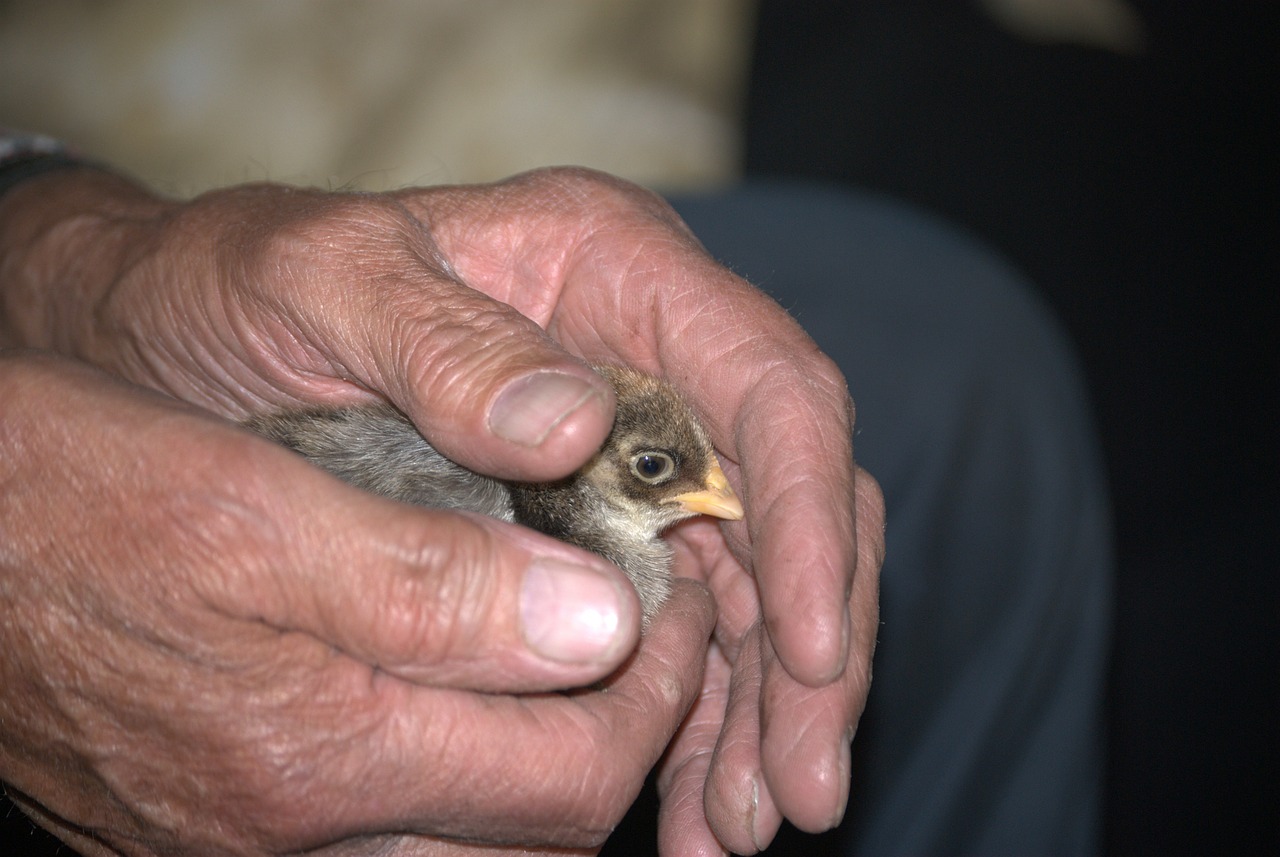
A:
(598, 807)
(598, 193)
(585, 808)
(871, 508)
(443, 603)
(277, 225)
(824, 377)
(468, 339)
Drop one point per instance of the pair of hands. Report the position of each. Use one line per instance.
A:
(212, 647)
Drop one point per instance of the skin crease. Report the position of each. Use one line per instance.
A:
(270, 297)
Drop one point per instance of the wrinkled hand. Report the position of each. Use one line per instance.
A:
(469, 307)
(196, 662)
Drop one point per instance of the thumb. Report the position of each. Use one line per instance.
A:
(437, 597)
(367, 296)
(486, 385)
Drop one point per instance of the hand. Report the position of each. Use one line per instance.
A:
(197, 662)
(266, 296)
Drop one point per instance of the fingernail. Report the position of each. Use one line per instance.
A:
(765, 819)
(569, 613)
(531, 407)
(760, 837)
(843, 766)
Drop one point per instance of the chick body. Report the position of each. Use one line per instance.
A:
(656, 468)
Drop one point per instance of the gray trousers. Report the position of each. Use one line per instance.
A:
(983, 732)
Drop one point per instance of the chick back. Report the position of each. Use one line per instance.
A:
(377, 448)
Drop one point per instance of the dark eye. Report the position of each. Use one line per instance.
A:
(652, 467)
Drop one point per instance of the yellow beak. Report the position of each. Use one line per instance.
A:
(717, 499)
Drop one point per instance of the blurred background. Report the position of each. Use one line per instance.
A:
(1121, 154)
(189, 95)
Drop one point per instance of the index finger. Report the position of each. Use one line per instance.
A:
(779, 411)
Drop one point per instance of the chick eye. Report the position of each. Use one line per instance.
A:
(652, 467)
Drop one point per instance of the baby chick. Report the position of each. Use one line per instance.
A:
(656, 468)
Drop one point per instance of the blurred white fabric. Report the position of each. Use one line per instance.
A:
(189, 95)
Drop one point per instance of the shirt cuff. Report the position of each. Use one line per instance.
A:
(25, 156)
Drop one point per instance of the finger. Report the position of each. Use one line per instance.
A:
(700, 552)
(739, 805)
(805, 752)
(555, 769)
(806, 731)
(401, 845)
(484, 384)
(430, 596)
(336, 294)
(682, 775)
(789, 447)
(780, 412)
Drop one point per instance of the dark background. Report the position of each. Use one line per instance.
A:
(1136, 191)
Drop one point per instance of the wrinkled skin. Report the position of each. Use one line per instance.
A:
(212, 648)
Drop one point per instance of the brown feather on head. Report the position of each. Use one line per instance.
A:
(656, 468)
(668, 453)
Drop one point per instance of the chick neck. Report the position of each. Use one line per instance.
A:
(584, 512)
